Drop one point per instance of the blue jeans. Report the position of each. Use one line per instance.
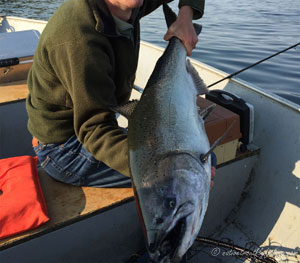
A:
(71, 163)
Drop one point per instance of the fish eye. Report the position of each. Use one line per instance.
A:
(159, 220)
(171, 203)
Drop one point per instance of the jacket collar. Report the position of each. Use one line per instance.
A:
(104, 21)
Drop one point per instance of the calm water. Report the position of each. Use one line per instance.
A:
(235, 34)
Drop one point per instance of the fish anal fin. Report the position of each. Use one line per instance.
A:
(126, 109)
(199, 83)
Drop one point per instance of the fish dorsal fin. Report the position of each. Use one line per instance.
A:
(199, 83)
(127, 109)
(205, 156)
(171, 17)
(205, 113)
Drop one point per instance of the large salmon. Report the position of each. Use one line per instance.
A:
(166, 139)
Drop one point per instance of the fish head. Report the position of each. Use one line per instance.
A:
(172, 201)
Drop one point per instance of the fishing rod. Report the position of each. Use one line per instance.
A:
(242, 70)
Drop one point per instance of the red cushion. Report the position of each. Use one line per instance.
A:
(22, 204)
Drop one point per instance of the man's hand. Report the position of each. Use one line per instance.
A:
(183, 29)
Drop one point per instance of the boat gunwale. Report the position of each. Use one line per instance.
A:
(24, 19)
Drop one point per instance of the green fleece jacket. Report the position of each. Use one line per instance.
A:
(81, 68)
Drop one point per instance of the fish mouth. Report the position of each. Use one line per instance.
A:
(169, 245)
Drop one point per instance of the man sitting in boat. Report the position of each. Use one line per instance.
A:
(85, 62)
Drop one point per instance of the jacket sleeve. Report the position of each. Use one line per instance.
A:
(197, 5)
(87, 74)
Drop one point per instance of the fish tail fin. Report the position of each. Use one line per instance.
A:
(198, 81)
(171, 17)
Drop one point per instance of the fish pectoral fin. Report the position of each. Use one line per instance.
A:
(205, 113)
(127, 109)
(199, 83)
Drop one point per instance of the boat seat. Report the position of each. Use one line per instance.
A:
(13, 91)
(68, 204)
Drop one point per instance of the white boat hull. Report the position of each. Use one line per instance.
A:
(256, 199)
